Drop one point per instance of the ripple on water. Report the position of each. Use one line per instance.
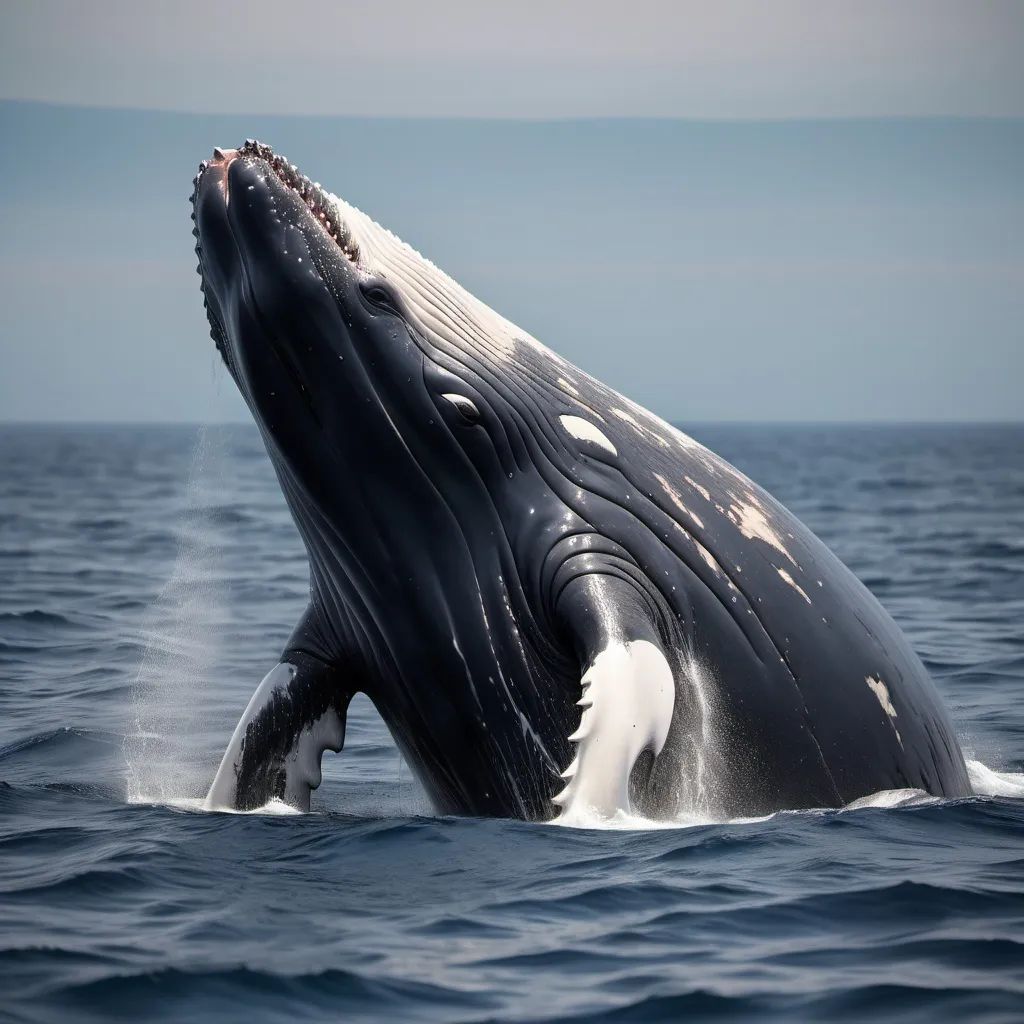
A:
(147, 582)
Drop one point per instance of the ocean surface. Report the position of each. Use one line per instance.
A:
(148, 578)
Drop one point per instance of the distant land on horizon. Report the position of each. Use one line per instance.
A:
(736, 271)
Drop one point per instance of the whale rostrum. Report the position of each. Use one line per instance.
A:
(560, 605)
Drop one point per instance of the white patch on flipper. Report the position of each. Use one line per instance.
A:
(302, 764)
(584, 430)
(793, 583)
(628, 700)
(222, 792)
(881, 691)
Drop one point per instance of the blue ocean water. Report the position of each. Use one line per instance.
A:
(148, 578)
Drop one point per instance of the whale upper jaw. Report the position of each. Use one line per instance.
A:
(258, 159)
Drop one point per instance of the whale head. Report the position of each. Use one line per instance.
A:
(375, 378)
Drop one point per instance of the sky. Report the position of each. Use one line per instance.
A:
(729, 211)
(531, 58)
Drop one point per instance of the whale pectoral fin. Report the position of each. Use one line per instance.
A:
(628, 694)
(296, 714)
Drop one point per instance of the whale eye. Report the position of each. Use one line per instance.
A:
(381, 298)
(470, 413)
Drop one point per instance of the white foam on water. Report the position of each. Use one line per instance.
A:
(892, 798)
(984, 782)
(180, 634)
(197, 804)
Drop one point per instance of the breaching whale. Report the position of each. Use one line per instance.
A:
(559, 604)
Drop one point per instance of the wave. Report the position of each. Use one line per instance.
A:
(273, 807)
(35, 617)
(62, 737)
(985, 782)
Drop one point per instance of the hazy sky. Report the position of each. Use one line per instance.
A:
(532, 58)
(753, 266)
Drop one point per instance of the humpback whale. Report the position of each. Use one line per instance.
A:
(560, 605)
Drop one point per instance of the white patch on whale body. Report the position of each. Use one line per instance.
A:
(628, 700)
(699, 488)
(793, 583)
(881, 691)
(709, 558)
(584, 430)
(749, 518)
(677, 499)
(566, 386)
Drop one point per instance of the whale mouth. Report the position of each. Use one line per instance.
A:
(322, 206)
(320, 203)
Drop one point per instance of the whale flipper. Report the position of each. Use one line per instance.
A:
(296, 713)
(628, 693)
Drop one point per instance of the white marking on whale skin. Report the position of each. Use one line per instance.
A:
(709, 558)
(302, 763)
(677, 499)
(639, 428)
(793, 583)
(749, 518)
(628, 700)
(584, 430)
(881, 691)
(699, 488)
(225, 783)
(566, 386)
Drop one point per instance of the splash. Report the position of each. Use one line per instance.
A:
(180, 636)
(985, 783)
(273, 807)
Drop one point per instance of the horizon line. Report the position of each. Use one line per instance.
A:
(1015, 119)
(674, 421)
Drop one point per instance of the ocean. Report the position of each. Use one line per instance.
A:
(148, 579)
